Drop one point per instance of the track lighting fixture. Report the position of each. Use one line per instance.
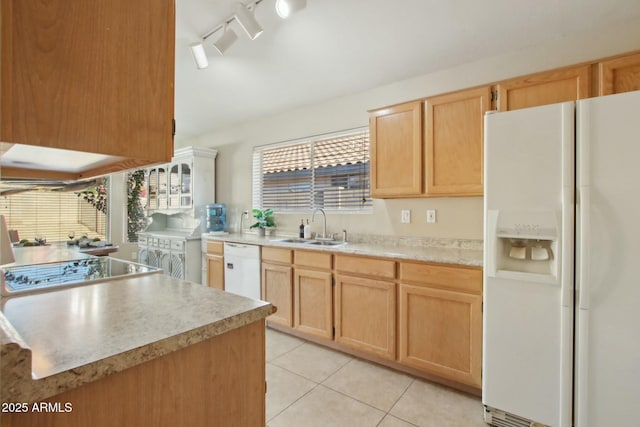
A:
(244, 15)
(226, 40)
(248, 22)
(199, 55)
(285, 8)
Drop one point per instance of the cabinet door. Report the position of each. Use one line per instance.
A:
(396, 150)
(215, 271)
(550, 87)
(454, 135)
(78, 75)
(620, 75)
(441, 332)
(174, 186)
(313, 302)
(366, 315)
(277, 288)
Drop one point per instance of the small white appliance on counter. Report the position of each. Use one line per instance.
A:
(242, 269)
(560, 340)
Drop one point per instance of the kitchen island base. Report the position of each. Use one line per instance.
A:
(216, 382)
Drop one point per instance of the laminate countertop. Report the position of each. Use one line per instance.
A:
(58, 340)
(442, 251)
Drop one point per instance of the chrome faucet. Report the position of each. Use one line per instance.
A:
(324, 225)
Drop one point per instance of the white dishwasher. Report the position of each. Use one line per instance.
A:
(242, 269)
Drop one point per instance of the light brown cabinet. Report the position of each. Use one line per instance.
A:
(454, 142)
(215, 265)
(550, 87)
(77, 76)
(396, 150)
(313, 293)
(440, 320)
(277, 284)
(365, 307)
(619, 75)
(439, 153)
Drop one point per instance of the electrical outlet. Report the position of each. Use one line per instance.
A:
(134, 256)
(431, 216)
(405, 217)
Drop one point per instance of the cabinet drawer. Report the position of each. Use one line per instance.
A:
(313, 259)
(458, 278)
(177, 245)
(383, 268)
(215, 248)
(279, 255)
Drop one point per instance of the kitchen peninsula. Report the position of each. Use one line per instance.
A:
(143, 351)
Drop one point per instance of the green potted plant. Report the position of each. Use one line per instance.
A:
(264, 220)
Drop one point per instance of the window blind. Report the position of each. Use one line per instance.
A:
(51, 215)
(329, 172)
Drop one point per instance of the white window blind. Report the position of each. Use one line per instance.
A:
(329, 172)
(51, 215)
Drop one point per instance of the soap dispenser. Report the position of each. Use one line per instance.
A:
(307, 230)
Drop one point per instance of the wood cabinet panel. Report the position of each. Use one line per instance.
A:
(364, 266)
(277, 288)
(454, 141)
(441, 332)
(312, 259)
(396, 150)
(568, 84)
(620, 75)
(465, 279)
(215, 271)
(215, 248)
(219, 382)
(277, 255)
(365, 315)
(73, 78)
(313, 302)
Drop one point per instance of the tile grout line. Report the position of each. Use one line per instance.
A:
(292, 403)
(398, 399)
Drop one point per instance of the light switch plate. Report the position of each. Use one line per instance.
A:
(431, 216)
(405, 216)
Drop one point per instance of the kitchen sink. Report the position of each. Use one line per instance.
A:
(292, 240)
(326, 243)
(309, 242)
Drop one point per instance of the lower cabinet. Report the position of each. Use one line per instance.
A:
(440, 321)
(215, 271)
(277, 284)
(417, 315)
(278, 290)
(366, 315)
(215, 265)
(313, 302)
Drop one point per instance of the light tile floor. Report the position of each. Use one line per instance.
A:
(309, 385)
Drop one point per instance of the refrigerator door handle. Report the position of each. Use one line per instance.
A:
(585, 234)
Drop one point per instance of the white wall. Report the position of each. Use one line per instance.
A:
(457, 217)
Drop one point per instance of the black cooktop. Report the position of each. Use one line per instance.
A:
(32, 278)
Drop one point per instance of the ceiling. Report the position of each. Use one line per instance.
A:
(339, 47)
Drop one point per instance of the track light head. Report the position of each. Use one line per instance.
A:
(285, 8)
(248, 22)
(199, 55)
(225, 41)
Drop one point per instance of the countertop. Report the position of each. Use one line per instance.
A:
(444, 251)
(55, 341)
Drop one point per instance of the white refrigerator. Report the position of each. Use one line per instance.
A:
(561, 339)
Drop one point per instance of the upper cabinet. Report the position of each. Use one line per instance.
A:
(567, 84)
(187, 183)
(454, 135)
(396, 150)
(91, 76)
(619, 75)
(435, 151)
